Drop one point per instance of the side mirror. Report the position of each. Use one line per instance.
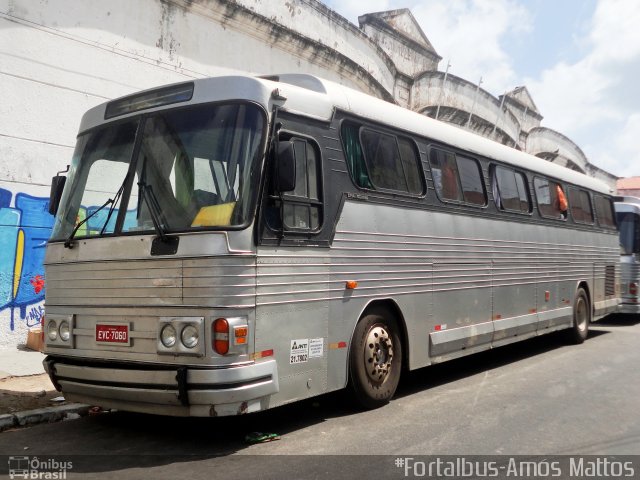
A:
(285, 166)
(57, 185)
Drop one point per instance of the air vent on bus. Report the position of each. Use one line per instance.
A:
(609, 280)
(301, 80)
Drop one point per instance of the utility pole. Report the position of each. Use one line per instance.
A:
(444, 82)
(500, 112)
(524, 116)
(474, 102)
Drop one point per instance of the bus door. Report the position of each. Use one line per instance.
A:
(292, 307)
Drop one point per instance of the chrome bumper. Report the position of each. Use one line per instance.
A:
(629, 308)
(180, 391)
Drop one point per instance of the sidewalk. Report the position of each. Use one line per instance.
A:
(27, 395)
(20, 362)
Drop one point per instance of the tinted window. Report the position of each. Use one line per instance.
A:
(457, 178)
(471, 181)
(604, 211)
(629, 224)
(353, 155)
(383, 161)
(551, 198)
(510, 190)
(379, 160)
(580, 206)
(411, 165)
(445, 175)
(302, 208)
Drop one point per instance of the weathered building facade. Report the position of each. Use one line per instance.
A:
(61, 57)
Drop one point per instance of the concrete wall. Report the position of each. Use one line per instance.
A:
(543, 142)
(463, 97)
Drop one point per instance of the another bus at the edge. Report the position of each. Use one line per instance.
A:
(628, 217)
(228, 245)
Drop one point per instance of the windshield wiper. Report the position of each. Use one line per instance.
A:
(112, 201)
(68, 243)
(157, 217)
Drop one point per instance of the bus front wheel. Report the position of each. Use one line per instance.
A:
(581, 317)
(375, 359)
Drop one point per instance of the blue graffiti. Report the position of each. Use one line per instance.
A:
(24, 230)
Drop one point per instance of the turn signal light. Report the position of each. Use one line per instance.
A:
(633, 288)
(221, 336)
(241, 334)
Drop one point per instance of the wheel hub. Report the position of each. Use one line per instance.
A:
(378, 354)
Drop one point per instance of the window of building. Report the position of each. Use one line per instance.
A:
(552, 201)
(510, 190)
(457, 178)
(580, 205)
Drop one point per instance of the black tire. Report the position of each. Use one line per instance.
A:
(579, 330)
(375, 359)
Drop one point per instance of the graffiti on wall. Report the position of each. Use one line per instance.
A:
(25, 228)
(24, 231)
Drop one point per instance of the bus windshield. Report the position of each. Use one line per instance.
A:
(629, 224)
(194, 168)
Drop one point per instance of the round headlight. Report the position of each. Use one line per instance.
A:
(168, 336)
(52, 331)
(189, 336)
(64, 330)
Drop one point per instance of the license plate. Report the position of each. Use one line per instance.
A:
(112, 334)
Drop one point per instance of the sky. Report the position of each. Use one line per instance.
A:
(577, 58)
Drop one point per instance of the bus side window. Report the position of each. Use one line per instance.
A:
(457, 178)
(552, 202)
(302, 209)
(445, 175)
(354, 156)
(580, 206)
(382, 161)
(471, 181)
(510, 190)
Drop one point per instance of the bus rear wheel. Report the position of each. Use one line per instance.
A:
(579, 330)
(375, 359)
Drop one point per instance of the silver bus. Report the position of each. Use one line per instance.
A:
(628, 217)
(228, 245)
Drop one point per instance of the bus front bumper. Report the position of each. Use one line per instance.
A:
(179, 391)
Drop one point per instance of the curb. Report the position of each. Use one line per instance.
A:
(43, 415)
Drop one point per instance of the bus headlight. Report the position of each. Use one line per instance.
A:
(52, 331)
(58, 330)
(65, 331)
(190, 336)
(181, 336)
(168, 336)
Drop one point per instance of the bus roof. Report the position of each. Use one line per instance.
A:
(318, 98)
(627, 204)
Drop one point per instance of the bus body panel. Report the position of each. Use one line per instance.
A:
(628, 213)
(458, 279)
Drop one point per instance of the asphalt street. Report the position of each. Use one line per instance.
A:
(538, 397)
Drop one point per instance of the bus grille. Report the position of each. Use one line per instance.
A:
(609, 280)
